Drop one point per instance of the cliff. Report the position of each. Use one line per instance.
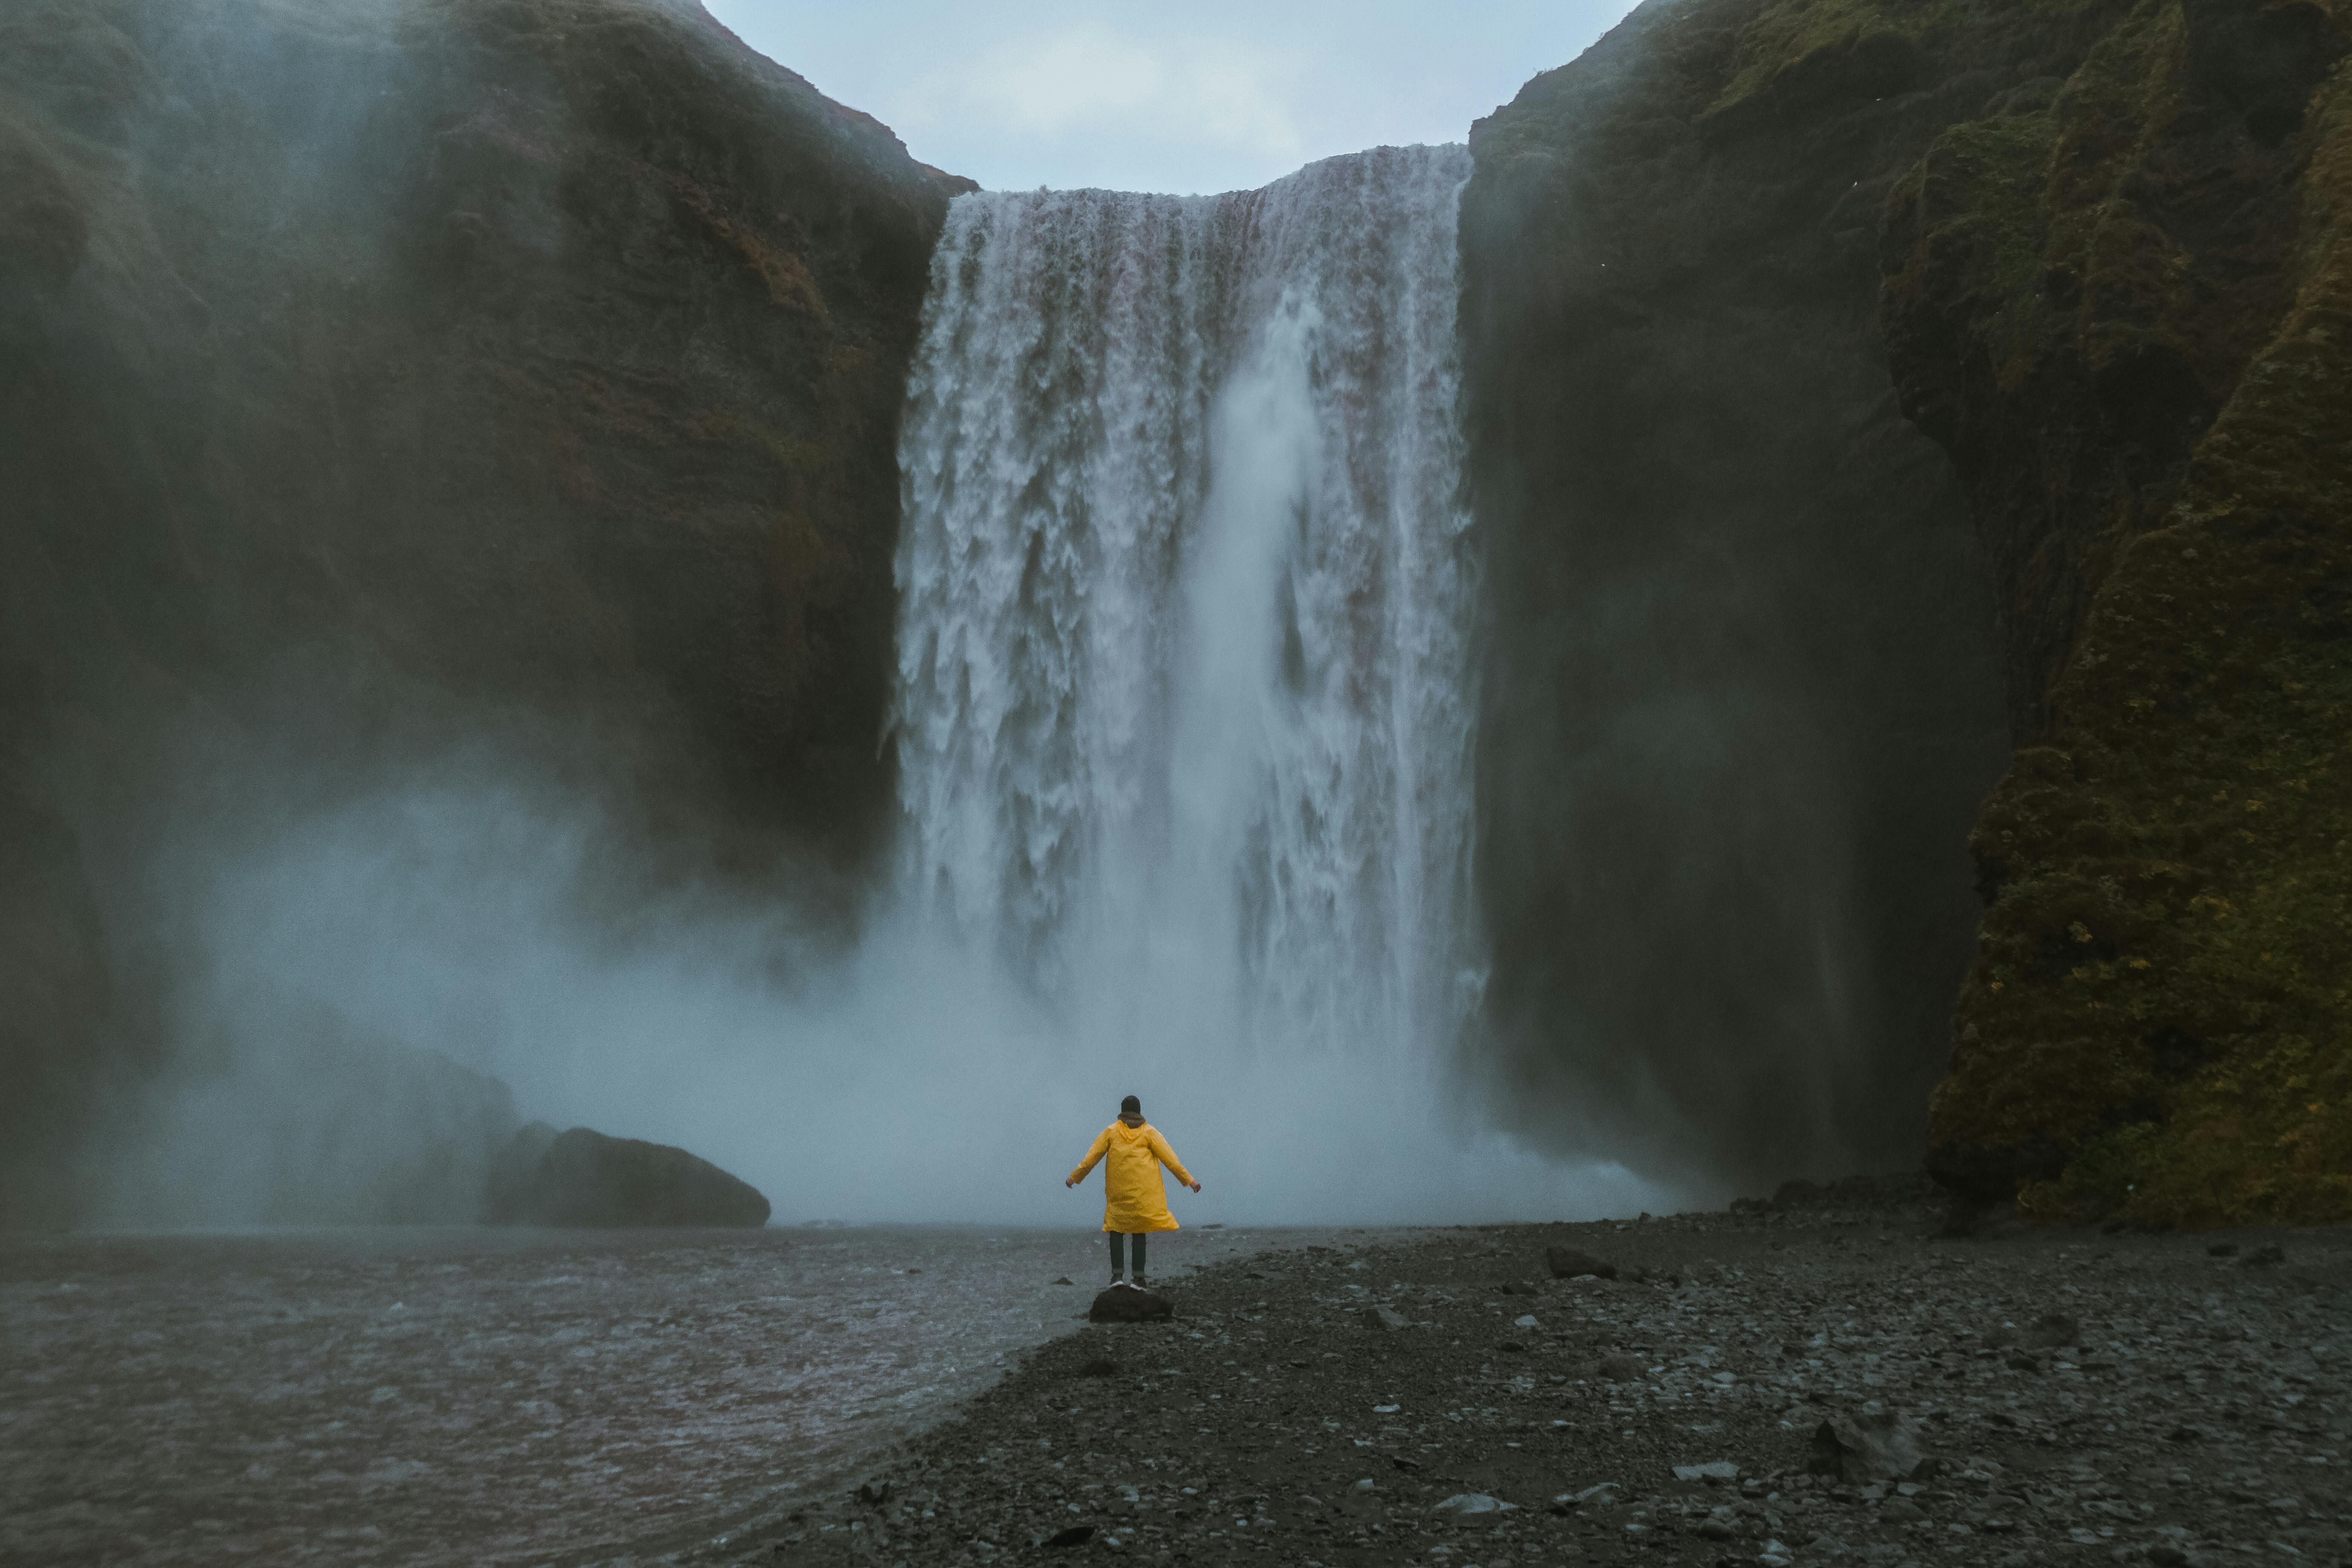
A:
(381, 378)
(1758, 647)
(2126, 307)
(1743, 694)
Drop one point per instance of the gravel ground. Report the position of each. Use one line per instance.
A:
(2076, 1396)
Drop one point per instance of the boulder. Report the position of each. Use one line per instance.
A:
(1622, 1368)
(1568, 1263)
(2050, 1331)
(1475, 1503)
(585, 1178)
(1869, 1446)
(1122, 1304)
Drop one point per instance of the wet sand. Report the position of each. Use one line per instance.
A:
(459, 1396)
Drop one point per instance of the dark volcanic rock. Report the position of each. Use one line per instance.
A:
(1122, 1304)
(1303, 1435)
(1867, 1445)
(1743, 693)
(1568, 1263)
(2120, 301)
(585, 1178)
(376, 379)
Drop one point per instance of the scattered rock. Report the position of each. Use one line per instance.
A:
(1066, 1279)
(1867, 1445)
(2052, 1330)
(1715, 1470)
(1123, 1304)
(1445, 1420)
(1076, 1535)
(1387, 1318)
(1568, 1263)
(1099, 1367)
(2264, 1258)
(873, 1494)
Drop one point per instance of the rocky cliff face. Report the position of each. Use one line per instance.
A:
(1728, 275)
(1743, 694)
(2124, 302)
(377, 377)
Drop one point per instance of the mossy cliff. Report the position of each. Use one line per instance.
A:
(384, 379)
(2123, 304)
(1723, 274)
(1744, 693)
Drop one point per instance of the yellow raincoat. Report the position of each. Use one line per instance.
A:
(1134, 1197)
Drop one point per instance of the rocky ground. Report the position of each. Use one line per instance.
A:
(2050, 1396)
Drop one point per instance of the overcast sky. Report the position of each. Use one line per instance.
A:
(1212, 95)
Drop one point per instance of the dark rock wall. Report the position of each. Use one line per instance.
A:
(380, 377)
(1743, 694)
(2124, 302)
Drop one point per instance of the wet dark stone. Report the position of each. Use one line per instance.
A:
(585, 1178)
(1122, 1304)
(1568, 1263)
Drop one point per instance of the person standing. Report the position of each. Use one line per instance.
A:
(1135, 1200)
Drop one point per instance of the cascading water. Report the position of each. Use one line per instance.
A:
(1185, 694)
(1184, 715)
(1185, 702)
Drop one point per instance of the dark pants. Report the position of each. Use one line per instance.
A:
(1118, 1252)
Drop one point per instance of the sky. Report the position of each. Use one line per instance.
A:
(1213, 95)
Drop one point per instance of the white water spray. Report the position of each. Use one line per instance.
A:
(1186, 698)
(1185, 719)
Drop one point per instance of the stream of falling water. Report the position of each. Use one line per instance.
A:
(1186, 700)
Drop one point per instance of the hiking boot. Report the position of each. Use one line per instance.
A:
(1138, 1284)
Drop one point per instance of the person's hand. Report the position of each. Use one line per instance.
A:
(1196, 1186)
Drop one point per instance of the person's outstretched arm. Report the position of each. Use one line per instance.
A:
(1166, 1157)
(1094, 1151)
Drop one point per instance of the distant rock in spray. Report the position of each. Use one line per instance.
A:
(1568, 1263)
(585, 1178)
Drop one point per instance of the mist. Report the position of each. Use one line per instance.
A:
(903, 1077)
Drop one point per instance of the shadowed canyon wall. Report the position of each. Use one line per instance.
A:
(1732, 279)
(1896, 429)
(377, 378)
(2124, 302)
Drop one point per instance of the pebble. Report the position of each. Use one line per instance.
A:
(2008, 1401)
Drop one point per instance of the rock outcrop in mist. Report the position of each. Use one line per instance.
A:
(383, 377)
(1741, 697)
(1742, 694)
(582, 1177)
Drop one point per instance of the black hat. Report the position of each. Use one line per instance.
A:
(1130, 1106)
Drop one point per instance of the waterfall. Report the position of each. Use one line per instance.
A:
(1185, 702)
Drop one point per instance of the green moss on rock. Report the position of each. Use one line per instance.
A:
(2143, 365)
